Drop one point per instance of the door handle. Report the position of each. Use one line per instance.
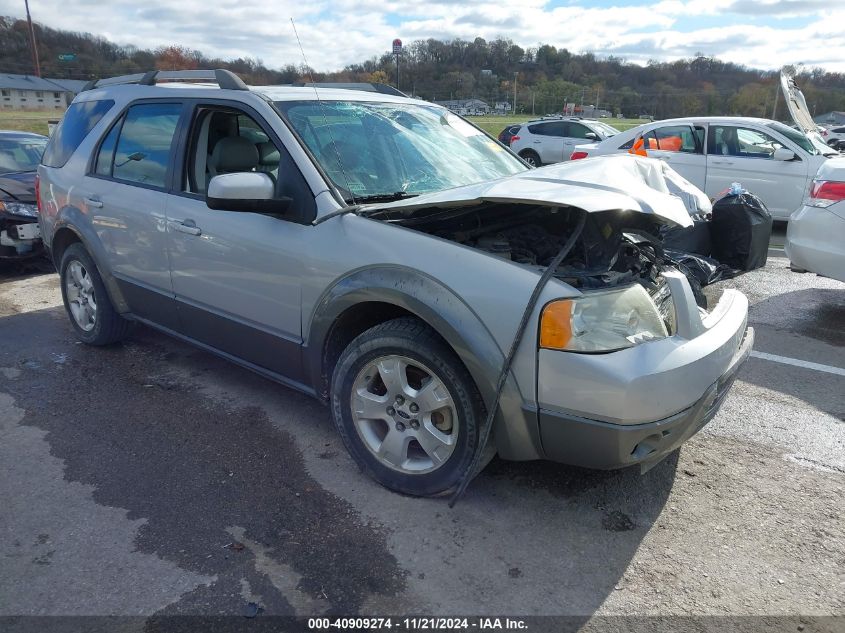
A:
(186, 226)
(723, 162)
(93, 202)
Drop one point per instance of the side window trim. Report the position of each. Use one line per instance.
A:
(120, 119)
(91, 170)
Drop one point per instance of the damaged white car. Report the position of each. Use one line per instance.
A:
(392, 260)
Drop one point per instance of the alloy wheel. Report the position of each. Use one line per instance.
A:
(404, 414)
(80, 296)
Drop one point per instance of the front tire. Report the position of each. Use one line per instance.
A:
(406, 408)
(91, 312)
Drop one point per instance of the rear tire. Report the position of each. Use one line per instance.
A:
(531, 157)
(406, 408)
(87, 303)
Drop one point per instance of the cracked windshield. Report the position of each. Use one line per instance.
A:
(385, 151)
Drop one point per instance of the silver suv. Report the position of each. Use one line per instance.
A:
(382, 255)
(553, 139)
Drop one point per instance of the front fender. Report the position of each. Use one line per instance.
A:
(515, 429)
(73, 219)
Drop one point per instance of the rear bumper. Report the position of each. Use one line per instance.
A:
(814, 241)
(602, 445)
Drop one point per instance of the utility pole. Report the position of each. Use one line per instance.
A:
(32, 45)
(514, 91)
(533, 94)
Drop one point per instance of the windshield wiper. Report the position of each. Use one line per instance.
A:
(384, 197)
(356, 208)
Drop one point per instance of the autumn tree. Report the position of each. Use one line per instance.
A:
(177, 58)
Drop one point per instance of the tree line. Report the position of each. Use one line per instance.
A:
(545, 77)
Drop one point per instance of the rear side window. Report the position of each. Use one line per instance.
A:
(548, 129)
(78, 121)
(676, 138)
(138, 150)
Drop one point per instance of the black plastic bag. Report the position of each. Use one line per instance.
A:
(740, 231)
(705, 269)
(689, 239)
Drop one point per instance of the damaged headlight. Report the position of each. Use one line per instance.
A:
(20, 208)
(601, 321)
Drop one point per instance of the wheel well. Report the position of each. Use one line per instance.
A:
(352, 322)
(61, 240)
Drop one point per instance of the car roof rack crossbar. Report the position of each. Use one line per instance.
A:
(225, 79)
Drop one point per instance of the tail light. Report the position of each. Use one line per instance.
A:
(38, 192)
(513, 138)
(577, 155)
(824, 193)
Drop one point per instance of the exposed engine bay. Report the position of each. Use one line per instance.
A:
(614, 249)
(608, 253)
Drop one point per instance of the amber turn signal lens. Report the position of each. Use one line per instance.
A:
(556, 325)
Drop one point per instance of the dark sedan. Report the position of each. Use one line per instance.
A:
(20, 153)
(506, 134)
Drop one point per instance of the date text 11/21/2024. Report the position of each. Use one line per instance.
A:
(416, 624)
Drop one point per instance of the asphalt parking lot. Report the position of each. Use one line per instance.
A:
(151, 478)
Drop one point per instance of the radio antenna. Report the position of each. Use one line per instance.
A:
(323, 111)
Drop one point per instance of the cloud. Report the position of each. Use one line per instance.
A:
(335, 33)
(781, 8)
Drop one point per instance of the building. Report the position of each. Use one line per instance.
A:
(27, 92)
(465, 106)
(586, 111)
(831, 118)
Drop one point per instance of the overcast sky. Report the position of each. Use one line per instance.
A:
(758, 33)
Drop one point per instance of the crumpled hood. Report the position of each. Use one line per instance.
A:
(605, 183)
(18, 186)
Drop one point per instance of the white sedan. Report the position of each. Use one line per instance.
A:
(815, 237)
(769, 159)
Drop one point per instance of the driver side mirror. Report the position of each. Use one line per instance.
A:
(592, 136)
(249, 192)
(781, 153)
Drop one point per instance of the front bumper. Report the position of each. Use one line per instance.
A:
(602, 445)
(19, 237)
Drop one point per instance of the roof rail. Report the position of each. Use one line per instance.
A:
(225, 79)
(366, 87)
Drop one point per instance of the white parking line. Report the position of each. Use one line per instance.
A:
(830, 369)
